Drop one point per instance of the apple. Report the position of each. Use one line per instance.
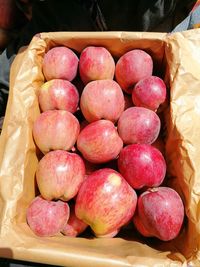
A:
(149, 92)
(102, 99)
(142, 165)
(160, 213)
(58, 94)
(96, 63)
(106, 202)
(131, 67)
(55, 129)
(60, 63)
(59, 175)
(138, 125)
(99, 142)
(47, 218)
(74, 226)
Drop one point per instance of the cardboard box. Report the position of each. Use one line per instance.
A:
(177, 60)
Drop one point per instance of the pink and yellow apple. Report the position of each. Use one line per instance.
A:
(59, 175)
(58, 94)
(102, 99)
(99, 142)
(47, 218)
(60, 63)
(106, 202)
(96, 63)
(55, 129)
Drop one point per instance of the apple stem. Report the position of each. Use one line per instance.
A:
(154, 189)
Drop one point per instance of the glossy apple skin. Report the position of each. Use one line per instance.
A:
(138, 125)
(74, 226)
(160, 213)
(99, 142)
(59, 175)
(47, 218)
(142, 165)
(58, 94)
(149, 93)
(96, 63)
(102, 99)
(55, 129)
(106, 202)
(60, 63)
(132, 67)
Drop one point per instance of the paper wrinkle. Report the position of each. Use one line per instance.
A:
(177, 57)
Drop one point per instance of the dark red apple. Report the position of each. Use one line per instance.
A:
(106, 202)
(149, 93)
(99, 142)
(142, 165)
(55, 129)
(96, 63)
(59, 175)
(160, 213)
(138, 125)
(132, 67)
(60, 63)
(102, 99)
(47, 218)
(58, 94)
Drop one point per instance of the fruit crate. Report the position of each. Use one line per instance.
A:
(177, 60)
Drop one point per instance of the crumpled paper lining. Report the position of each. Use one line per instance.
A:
(178, 57)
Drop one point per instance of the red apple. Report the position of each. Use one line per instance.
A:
(142, 165)
(132, 67)
(99, 142)
(47, 218)
(102, 99)
(58, 94)
(60, 63)
(160, 213)
(106, 202)
(139, 125)
(96, 63)
(74, 226)
(59, 175)
(55, 129)
(149, 92)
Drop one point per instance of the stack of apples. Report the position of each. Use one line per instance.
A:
(103, 164)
